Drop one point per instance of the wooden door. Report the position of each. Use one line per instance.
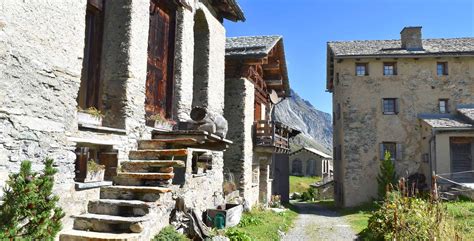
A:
(161, 39)
(461, 161)
(110, 161)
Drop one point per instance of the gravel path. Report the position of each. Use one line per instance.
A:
(316, 222)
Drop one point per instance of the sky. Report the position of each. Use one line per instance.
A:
(307, 25)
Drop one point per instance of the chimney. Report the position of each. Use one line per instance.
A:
(411, 38)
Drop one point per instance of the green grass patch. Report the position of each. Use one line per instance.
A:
(262, 225)
(301, 184)
(463, 214)
(358, 217)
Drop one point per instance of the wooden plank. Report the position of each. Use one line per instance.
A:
(110, 161)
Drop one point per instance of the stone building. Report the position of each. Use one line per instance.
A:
(140, 63)
(256, 80)
(379, 89)
(310, 162)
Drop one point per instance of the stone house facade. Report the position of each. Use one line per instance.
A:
(379, 90)
(132, 60)
(310, 162)
(256, 80)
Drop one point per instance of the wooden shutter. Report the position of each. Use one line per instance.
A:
(381, 151)
(397, 106)
(82, 156)
(110, 161)
(399, 156)
(383, 109)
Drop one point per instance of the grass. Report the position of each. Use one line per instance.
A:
(264, 224)
(463, 214)
(301, 184)
(358, 217)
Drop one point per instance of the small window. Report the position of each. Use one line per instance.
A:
(443, 106)
(442, 68)
(390, 147)
(389, 69)
(390, 106)
(362, 69)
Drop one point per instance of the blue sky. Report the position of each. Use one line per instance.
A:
(307, 25)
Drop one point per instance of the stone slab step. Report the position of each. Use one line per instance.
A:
(147, 176)
(145, 165)
(157, 154)
(162, 143)
(80, 235)
(108, 223)
(124, 208)
(147, 194)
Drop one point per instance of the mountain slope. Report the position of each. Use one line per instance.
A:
(315, 125)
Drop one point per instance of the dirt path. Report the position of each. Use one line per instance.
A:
(316, 222)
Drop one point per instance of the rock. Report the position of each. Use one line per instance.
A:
(136, 227)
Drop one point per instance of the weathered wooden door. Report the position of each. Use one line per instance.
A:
(461, 160)
(161, 39)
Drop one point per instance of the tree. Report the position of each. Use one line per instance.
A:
(30, 209)
(387, 175)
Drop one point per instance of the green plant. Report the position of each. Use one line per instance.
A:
(310, 195)
(92, 166)
(409, 218)
(387, 176)
(249, 221)
(92, 111)
(237, 235)
(161, 118)
(30, 209)
(169, 233)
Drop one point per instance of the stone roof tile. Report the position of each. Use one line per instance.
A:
(250, 46)
(445, 121)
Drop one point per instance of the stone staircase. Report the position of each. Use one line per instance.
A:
(140, 198)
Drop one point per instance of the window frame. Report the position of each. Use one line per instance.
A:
(444, 69)
(394, 68)
(446, 106)
(366, 69)
(393, 156)
(395, 106)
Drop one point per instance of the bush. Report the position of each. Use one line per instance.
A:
(169, 233)
(249, 221)
(409, 218)
(310, 195)
(30, 209)
(237, 235)
(387, 176)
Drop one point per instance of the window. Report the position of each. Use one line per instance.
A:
(442, 68)
(443, 106)
(362, 69)
(390, 106)
(89, 92)
(297, 167)
(389, 69)
(395, 150)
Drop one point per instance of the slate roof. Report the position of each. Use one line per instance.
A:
(445, 121)
(250, 46)
(442, 46)
(314, 151)
(467, 111)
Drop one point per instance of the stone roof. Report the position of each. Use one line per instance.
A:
(442, 46)
(467, 111)
(229, 9)
(250, 46)
(445, 121)
(314, 151)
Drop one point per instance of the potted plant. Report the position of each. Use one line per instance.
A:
(160, 122)
(201, 167)
(90, 116)
(95, 172)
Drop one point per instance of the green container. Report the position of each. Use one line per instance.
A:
(219, 221)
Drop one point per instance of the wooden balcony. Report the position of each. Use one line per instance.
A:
(272, 134)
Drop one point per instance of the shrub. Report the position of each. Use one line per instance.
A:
(409, 218)
(387, 175)
(248, 220)
(30, 209)
(169, 233)
(237, 235)
(310, 195)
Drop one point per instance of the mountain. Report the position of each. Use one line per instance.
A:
(315, 125)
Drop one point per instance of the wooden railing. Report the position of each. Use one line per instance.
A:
(271, 134)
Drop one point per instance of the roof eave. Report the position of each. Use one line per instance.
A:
(411, 55)
(230, 10)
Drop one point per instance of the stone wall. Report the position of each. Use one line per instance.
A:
(239, 112)
(363, 127)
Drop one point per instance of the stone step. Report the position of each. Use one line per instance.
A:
(80, 235)
(147, 194)
(146, 175)
(147, 165)
(108, 223)
(157, 154)
(163, 143)
(124, 208)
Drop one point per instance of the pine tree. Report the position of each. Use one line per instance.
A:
(386, 176)
(30, 209)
